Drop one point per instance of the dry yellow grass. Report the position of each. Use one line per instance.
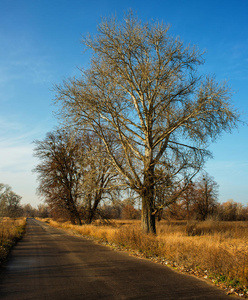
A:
(10, 231)
(217, 250)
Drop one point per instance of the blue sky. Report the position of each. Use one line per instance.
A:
(40, 46)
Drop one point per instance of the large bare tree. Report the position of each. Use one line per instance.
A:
(143, 92)
(207, 195)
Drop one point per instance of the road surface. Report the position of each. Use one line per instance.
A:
(51, 264)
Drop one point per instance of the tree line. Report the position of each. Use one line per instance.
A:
(140, 118)
(227, 211)
(193, 204)
(11, 206)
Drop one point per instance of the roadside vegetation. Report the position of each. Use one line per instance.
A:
(11, 230)
(214, 250)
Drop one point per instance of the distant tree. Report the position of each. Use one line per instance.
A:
(143, 91)
(59, 173)
(42, 211)
(59, 212)
(189, 200)
(206, 198)
(129, 212)
(10, 202)
(112, 210)
(232, 211)
(242, 212)
(196, 200)
(174, 211)
(29, 211)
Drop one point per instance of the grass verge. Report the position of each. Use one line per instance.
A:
(11, 230)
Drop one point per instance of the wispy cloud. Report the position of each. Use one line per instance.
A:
(15, 146)
(16, 157)
(35, 69)
(22, 59)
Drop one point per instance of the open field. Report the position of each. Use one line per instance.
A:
(214, 250)
(10, 231)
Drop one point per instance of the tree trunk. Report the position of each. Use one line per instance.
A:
(92, 210)
(75, 217)
(78, 219)
(147, 216)
(148, 203)
(89, 217)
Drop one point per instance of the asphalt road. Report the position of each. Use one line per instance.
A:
(51, 264)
